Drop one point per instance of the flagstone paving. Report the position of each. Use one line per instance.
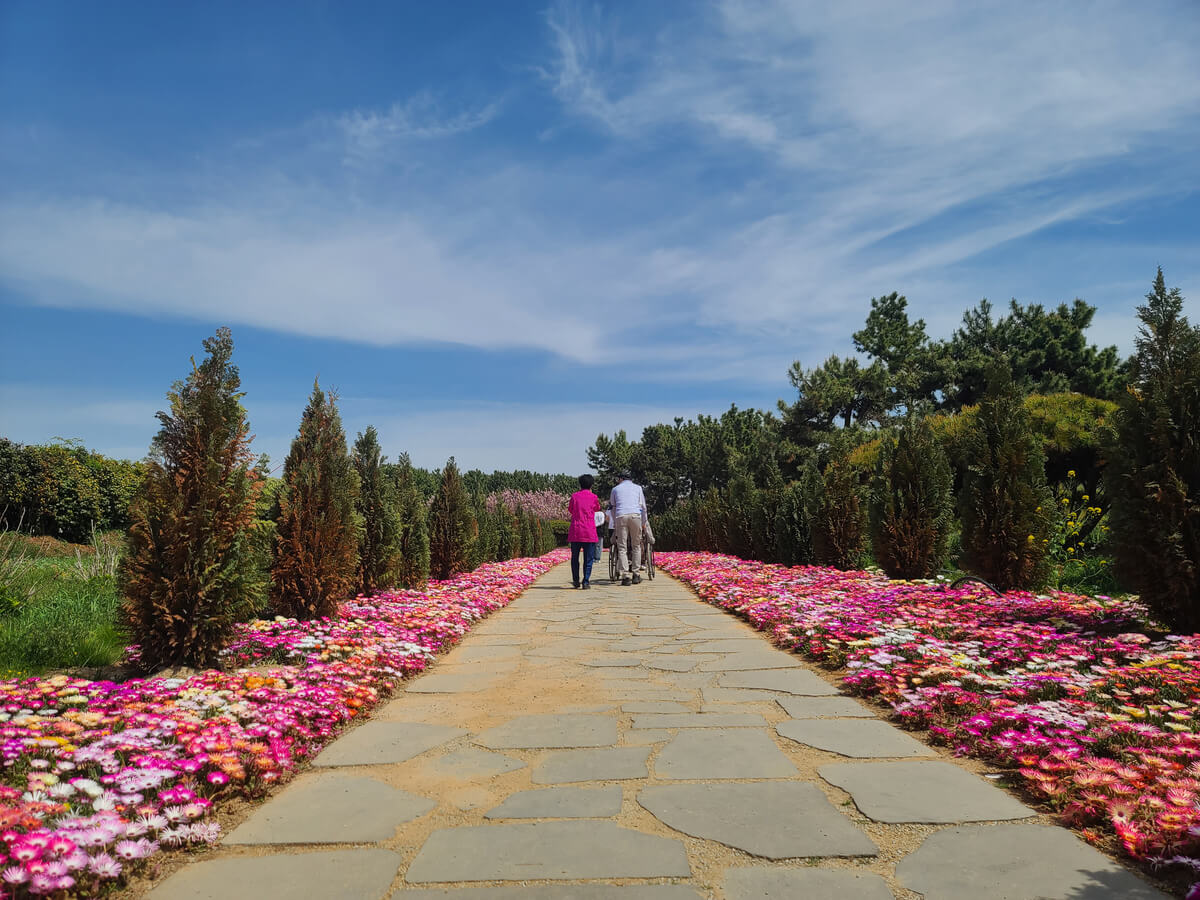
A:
(632, 743)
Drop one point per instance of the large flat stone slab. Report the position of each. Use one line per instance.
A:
(345, 874)
(782, 820)
(650, 706)
(561, 803)
(745, 662)
(925, 791)
(568, 648)
(481, 653)
(731, 645)
(527, 732)
(614, 764)
(824, 708)
(859, 738)
(331, 809)
(557, 892)
(788, 681)
(669, 663)
(809, 884)
(700, 720)
(470, 764)
(549, 850)
(697, 754)
(1007, 862)
(453, 683)
(381, 743)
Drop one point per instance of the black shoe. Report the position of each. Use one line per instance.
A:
(625, 580)
(637, 579)
(575, 584)
(586, 586)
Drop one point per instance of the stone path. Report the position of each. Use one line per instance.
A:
(636, 744)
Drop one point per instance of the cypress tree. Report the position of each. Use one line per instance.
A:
(379, 543)
(1154, 473)
(412, 514)
(1005, 504)
(911, 504)
(189, 575)
(451, 526)
(317, 535)
(839, 518)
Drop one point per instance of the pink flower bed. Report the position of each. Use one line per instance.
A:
(545, 504)
(98, 776)
(1087, 713)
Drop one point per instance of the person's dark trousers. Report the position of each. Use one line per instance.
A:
(597, 551)
(586, 548)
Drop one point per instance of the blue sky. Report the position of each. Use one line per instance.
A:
(498, 229)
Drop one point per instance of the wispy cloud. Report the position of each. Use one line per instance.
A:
(369, 134)
(740, 179)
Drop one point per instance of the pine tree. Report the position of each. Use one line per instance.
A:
(1154, 473)
(379, 543)
(451, 526)
(911, 502)
(189, 575)
(413, 515)
(1005, 504)
(316, 542)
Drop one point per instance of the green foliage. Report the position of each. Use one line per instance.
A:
(560, 528)
(412, 569)
(794, 518)
(1078, 545)
(1154, 477)
(190, 572)
(1005, 503)
(911, 502)
(316, 562)
(452, 526)
(839, 518)
(379, 540)
(840, 392)
(917, 370)
(487, 538)
(1047, 352)
(64, 490)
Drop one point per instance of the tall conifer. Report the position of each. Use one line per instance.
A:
(316, 543)
(379, 543)
(413, 514)
(189, 575)
(1005, 504)
(451, 526)
(1154, 473)
(911, 502)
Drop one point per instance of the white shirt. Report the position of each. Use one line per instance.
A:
(627, 499)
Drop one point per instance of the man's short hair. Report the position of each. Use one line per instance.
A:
(625, 475)
(586, 482)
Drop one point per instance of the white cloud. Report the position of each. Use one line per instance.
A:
(370, 134)
(764, 168)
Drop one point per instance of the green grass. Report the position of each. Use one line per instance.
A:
(58, 612)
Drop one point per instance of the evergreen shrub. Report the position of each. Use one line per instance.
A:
(911, 502)
(1005, 504)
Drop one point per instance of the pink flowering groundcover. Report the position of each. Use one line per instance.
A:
(1068, 693)
(96, 776)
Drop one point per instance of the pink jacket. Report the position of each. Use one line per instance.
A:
(583, 508)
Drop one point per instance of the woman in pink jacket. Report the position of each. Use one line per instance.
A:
(582, 534)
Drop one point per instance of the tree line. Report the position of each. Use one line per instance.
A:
(213, 541)
(1015, 450)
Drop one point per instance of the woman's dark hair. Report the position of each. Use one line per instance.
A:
(586, 482)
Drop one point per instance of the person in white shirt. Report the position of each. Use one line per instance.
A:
(627, 503)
